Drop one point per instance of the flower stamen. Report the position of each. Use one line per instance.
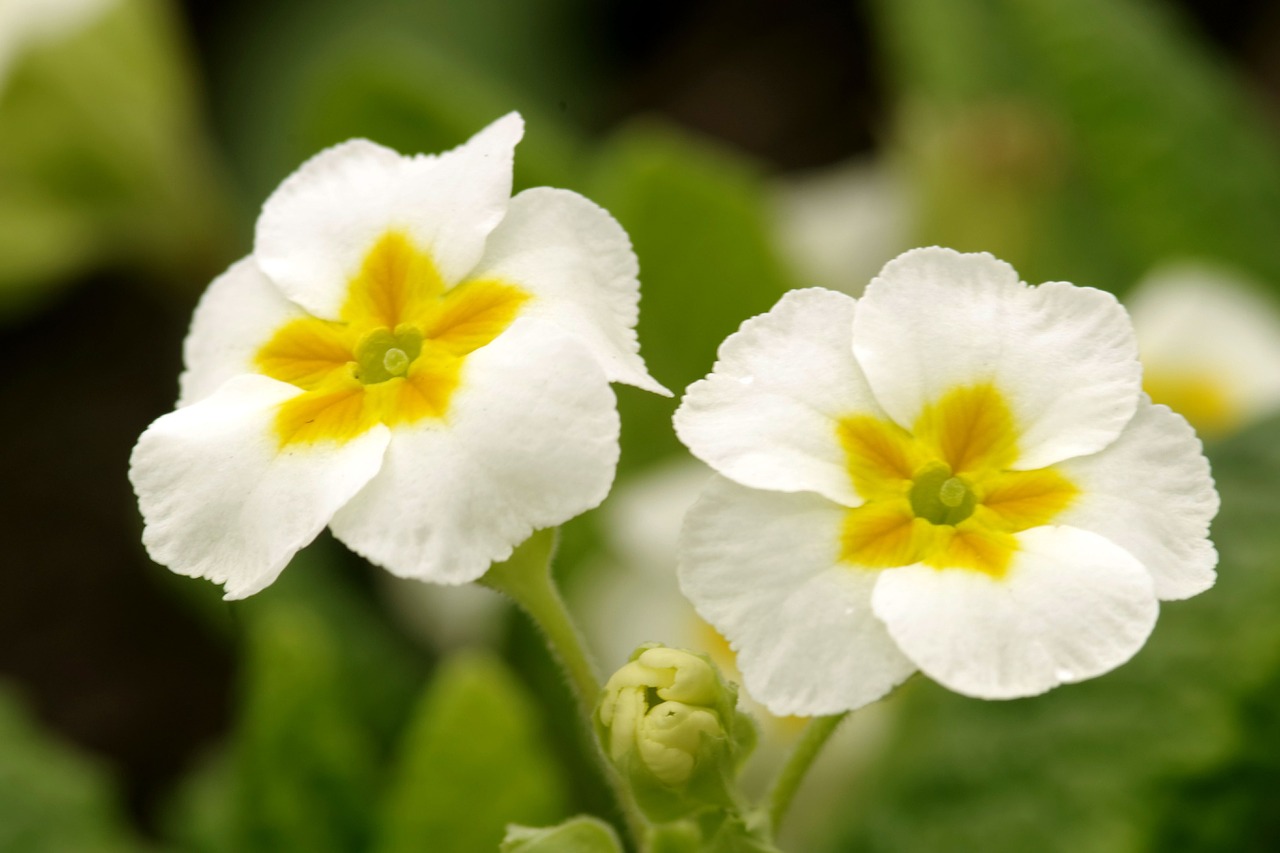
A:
(941, 498)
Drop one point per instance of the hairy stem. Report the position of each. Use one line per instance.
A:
(526, 579)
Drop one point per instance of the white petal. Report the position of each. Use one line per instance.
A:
(577, 262)
(239, 312)
(530, 441)
(762, 567)
(1071, 606)
(1202, 322)
(1064, 357)
(222, 501)
(767, 415)
(317, 227)
(1152, 493)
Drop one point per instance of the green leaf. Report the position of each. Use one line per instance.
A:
(324, 690)
(52, 799)
(581, 834)
(473, 760)
(1084, 140)
(102, 159)
(1129, 761)
(419, 77)
(697, 218)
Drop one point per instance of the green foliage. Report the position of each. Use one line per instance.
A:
(413, 76)
(102, 160)
(1176, 749)
(324, 691)
(697, 219)
(52, 799)
(581, 834)
(473, 760)
(1085, 141)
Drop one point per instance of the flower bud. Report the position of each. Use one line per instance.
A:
(670, 723)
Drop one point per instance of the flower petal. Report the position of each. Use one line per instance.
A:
(530, 440)
(577, 262)
(1072, 605)
(239, 312)
(1063, 357)
(1210, 344)
(1151, 492)
(768, 415)
(318, 226)
(762, 567)
(222, 501)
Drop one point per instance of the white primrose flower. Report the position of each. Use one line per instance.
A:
(409, 356)
(957, 473)
(1210, 345)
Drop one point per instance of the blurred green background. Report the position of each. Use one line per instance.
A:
(1081, 140)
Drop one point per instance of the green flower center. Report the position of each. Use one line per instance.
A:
(939, 497)
(383, 354)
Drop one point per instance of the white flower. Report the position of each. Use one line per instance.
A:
(1210, 345)
(957, 473)
(409, 356)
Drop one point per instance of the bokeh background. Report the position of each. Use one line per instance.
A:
(748, 147)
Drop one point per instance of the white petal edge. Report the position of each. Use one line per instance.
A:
(577, 262)
(1152, 493)
(530, 441)
(318, 226)
(1064, 357)
(767, 415)
(1072, 606)
(763, 568)
(238, 313)
(222, 501)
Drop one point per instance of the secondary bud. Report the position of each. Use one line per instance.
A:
(670, 723)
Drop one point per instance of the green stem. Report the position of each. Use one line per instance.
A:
(793, 772)
(526, 579)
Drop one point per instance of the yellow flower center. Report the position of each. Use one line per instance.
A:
(395, 353)
(944, 493)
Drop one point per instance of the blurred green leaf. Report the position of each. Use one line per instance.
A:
(419, 77)
(473, 760)
(698, 219)
(416, 99)
(102, 160)
(199, 815)
(581, 834)
(1127, 761)
(52, 799)
(1081, 140)
(325, 690)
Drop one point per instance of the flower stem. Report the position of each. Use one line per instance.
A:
(793, 772)
(526, 579)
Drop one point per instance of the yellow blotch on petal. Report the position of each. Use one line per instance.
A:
(882, 457)
(397, 283)
(970, 428)
(1025, 499)
(395, 355)
(943, 494)
(884, 534)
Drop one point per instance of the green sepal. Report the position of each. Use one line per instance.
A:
(732, 834)
(581, 834)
